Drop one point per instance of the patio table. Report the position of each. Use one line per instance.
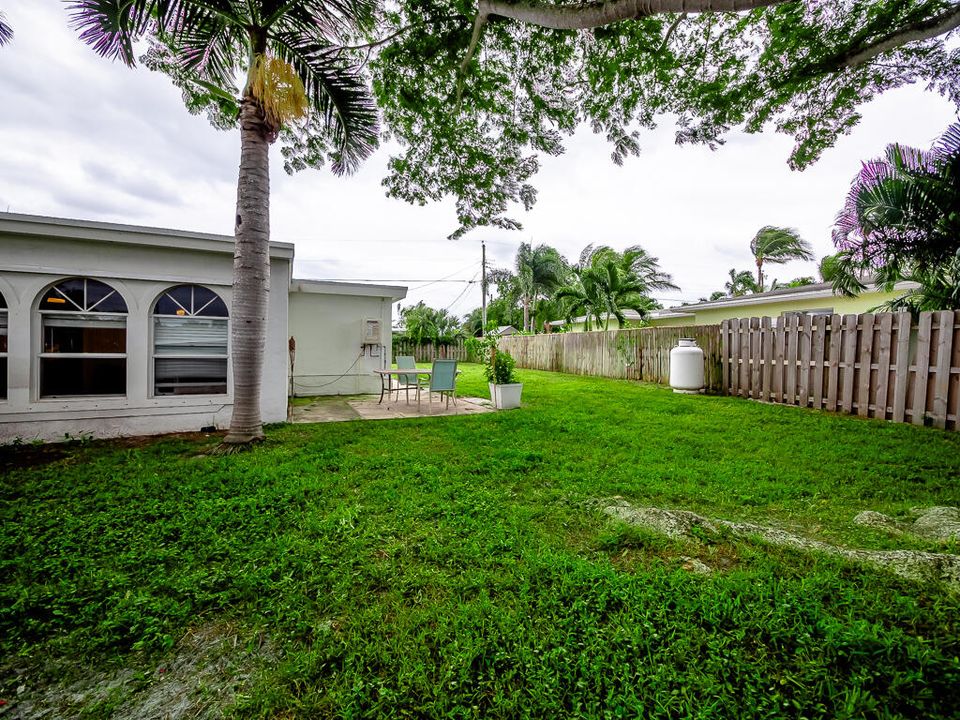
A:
(386, 377)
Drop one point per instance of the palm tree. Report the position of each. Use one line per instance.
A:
(294, 78)
(902, 208)
(776, 246)
(741, 282)
(539, 271)
(901, 222)
(606, 282)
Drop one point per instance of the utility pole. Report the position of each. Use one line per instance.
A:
(483, 288)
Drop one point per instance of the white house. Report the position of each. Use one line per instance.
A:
(120, 330)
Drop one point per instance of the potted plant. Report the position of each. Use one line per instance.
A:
(498, 368)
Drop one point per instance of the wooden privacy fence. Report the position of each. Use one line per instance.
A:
(428, 352)
(883, 365)
(635, 354)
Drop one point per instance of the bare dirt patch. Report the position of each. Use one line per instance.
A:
(199, 678)
(911, 564)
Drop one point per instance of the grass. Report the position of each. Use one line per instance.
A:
(459, 567)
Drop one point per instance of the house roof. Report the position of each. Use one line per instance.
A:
(336, 287)
(805, 292)
(40, 226)
(49, 227)
(506, 330)
(628, 314)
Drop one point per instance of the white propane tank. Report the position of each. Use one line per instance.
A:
(686, 367)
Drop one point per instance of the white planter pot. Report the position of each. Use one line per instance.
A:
(506, 397)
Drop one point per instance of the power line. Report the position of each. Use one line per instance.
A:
(462, 292)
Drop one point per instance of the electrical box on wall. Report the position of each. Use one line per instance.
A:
(372, 332)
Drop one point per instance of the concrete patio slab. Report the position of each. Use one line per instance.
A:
(367, 407)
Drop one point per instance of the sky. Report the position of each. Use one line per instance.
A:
(88, 138)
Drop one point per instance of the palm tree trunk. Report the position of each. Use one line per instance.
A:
(251, 275)
(759, 275)
(526, 313)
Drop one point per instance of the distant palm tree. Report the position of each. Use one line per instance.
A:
(539, 271)
(294, 76)
(776, 246)
(606, 282)
(6, 32)
(741, 282)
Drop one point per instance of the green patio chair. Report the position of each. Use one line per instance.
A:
(407, 382)
(443, 380)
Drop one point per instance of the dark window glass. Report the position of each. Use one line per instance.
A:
(190, 300)
(190, 376)
(3, 302)
(83, 295)
(82, 376)
(3, 378)
(84, 334)
(3, 332)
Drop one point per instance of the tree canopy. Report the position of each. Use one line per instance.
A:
(476, 94)
(477, 91)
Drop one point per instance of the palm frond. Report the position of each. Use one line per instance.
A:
(334, 19)
(337, 92)
(6, 32)
(112, 27)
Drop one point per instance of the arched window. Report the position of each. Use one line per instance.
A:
(189, 342)
(3, 347)
(84, 340)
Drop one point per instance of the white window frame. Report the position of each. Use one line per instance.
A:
(79, 313)
(188, 315)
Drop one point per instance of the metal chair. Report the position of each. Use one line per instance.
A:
(443, 380)
(407, 382)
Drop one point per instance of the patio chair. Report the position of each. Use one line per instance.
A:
(407, 382)
(443, 380)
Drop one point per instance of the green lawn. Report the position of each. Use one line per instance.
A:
(458, 567)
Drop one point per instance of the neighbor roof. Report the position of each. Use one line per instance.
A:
(804, 292)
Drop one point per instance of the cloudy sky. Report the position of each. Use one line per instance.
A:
(87, 138)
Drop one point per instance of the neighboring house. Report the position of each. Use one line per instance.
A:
(504, 330)
(816, 299)
(578, 324)
(112, 330)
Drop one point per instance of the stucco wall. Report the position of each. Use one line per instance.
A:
(139, 271)
(330, 358)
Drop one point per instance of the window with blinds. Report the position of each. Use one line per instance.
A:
(190, 336)
(83, 340)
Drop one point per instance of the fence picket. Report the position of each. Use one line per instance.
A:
(819, 342)
(902, 374)
(833, 373)
(849, 359)
(766, 333)
(793, 355)
(866, 360)
(942, 381)
(922, 373)
(806, 339)
(884, 342)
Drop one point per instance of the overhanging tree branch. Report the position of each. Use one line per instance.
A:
(598, 14)
(913, 32)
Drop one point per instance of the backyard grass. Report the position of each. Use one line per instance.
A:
(460, 567)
